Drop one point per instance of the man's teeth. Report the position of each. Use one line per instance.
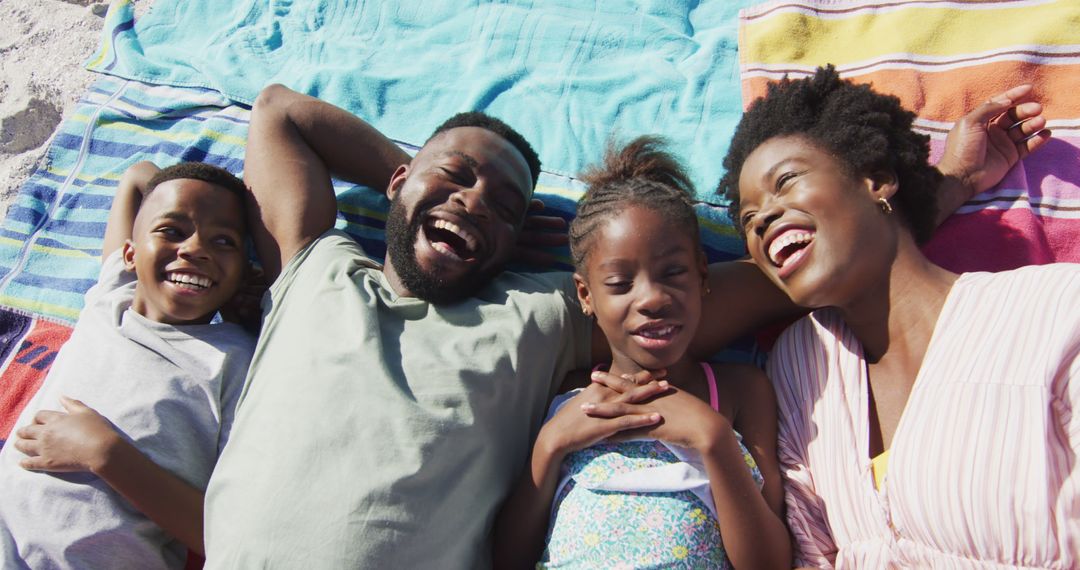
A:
(660, 332)
(189, 279)
(470, 241)
(789, 238)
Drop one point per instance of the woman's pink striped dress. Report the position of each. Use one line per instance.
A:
(983, 469)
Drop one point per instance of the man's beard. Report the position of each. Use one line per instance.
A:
(401, 237)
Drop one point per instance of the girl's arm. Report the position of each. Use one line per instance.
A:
(755, 420)
(751, 520)
(125, 205)
(522, 523)
(595, 414)
(83, 440)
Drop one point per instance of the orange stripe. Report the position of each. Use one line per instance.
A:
(948, 95)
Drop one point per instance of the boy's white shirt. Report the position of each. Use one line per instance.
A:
(170, 390)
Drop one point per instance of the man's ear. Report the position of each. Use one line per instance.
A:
(882, 184)
(583, 294)
(128, 255)
(397, 180)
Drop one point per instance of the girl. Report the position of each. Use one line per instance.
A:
(668, 482)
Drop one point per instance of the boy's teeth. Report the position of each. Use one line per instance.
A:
(188, 279)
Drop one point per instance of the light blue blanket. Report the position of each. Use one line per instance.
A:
(569, 74)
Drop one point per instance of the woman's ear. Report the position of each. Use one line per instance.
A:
(584, 298)
(882, 184)
(397, 180)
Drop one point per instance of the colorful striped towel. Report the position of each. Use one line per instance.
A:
(942, 59)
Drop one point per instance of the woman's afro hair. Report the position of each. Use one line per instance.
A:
(864, 130)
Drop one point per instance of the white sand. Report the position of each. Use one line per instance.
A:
(43, 44)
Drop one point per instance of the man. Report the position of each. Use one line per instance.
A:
(389, 408)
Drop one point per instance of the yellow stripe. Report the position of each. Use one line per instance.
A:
(86, 177)
(110, 24)
(48, 250)
(564, 192)
(793, 38)
(176, 137)
(718, 228)
(40, 308)
(360, 211)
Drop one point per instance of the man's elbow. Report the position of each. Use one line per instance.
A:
(273, 97)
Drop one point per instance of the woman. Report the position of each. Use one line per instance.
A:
(925, 417)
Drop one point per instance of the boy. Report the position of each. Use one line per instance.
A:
(118, 481)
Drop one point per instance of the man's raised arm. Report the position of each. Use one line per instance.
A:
(294, 144)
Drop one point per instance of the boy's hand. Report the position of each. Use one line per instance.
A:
(79, 440)
(984, 144)
(537, 233)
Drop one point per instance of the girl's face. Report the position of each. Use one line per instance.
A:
(815, 230)
(643, 281)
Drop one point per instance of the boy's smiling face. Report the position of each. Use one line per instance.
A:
(187, 251)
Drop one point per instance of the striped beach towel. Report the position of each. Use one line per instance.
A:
(942, 59)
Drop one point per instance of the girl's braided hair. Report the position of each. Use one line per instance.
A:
(641, 173)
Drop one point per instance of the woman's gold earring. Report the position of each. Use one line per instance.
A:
(884, 205)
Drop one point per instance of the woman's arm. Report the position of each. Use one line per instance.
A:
(83, 440)
(986, 143)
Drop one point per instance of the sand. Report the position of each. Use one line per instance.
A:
(43, 45)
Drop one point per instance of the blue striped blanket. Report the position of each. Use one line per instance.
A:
(567, 74)
(51, 239)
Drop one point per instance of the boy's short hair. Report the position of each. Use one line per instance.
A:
(200, 171)
(487, 122)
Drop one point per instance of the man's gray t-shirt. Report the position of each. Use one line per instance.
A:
(170, 390)
(376, 431)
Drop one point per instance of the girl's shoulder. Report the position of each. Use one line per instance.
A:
(742, 389)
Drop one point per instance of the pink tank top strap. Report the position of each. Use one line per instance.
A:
(714, 397)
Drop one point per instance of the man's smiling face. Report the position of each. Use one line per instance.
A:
(455, 213)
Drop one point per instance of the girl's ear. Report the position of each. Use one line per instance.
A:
(396, 181)
(882, 184)
(128, 255)
(583, 294)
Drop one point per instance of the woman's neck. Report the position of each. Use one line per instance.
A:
(896, 316)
